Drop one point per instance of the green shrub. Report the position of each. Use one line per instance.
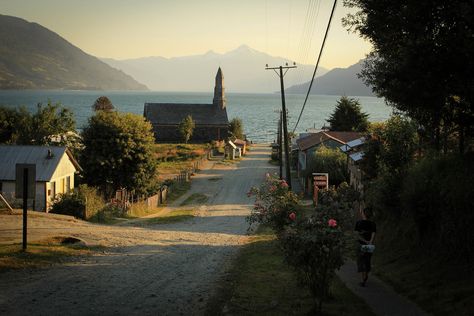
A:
(274, 202)
(69, 204)
(314, 246)
(108, 213)
(438, 194)
(83, 202)
(331, 161)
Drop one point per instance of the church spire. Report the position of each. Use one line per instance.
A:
(219, 91)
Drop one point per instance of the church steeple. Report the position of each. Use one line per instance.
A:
(219, 91)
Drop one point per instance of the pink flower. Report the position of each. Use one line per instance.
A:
(272, 188)
(284, 184)
(332, 223)
(267, 175)
(292, 216)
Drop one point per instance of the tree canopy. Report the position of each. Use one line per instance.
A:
(18, 126)
(186, 128)
(328, 160)
(118, 152)
(236, 128)
(421, 61)
(103, 104)
(348, 116)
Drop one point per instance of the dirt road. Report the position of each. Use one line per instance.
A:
(153, 270)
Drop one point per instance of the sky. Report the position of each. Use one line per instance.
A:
(124, 29)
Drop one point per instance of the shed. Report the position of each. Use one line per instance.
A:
(230, 150)
(242, 144)
(55, 170)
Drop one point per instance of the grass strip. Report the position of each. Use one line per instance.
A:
(261, 283)
(37, 255)
(195, 198)
(172, 217)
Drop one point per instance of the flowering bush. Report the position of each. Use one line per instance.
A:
(274, 203)
(312, 245)
(314, 248)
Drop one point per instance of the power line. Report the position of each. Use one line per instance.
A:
(317, 64)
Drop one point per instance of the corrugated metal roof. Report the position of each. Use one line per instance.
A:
(357, 156)
(352, 144)
(38, 155)
(315, 139)
(356, 142)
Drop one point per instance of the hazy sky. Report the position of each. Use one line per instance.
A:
(124, 29)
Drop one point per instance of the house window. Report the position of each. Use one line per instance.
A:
(68, 184)
(53, 189)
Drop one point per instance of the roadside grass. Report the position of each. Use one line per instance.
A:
(141, 209)
(261, 283)
(177, 190)
(38, 255)
(441, 285)
(173, 158)
(195, 198)
(172, 217)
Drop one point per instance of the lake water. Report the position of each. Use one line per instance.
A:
(259, 112)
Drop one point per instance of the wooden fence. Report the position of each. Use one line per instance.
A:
(125, 199)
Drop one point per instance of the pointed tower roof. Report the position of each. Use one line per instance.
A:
(219, 90)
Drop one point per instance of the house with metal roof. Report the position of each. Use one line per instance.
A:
(355, 154)
(211, 122)
(55, 171)
(309, 143)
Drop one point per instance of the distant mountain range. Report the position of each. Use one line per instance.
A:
(243, 68)
(339, 81)
(33, 57)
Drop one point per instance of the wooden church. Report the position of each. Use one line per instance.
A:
(211, 122)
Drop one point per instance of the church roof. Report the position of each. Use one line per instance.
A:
(174, 113)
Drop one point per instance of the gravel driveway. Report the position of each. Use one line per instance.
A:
(154, 270)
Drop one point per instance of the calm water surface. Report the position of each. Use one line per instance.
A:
(259, 112)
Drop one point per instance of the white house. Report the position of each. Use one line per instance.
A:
(55, 170)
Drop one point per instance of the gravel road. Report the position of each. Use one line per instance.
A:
(153, 270)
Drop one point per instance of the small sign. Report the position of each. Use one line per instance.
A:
(321, 180)
(20, 169)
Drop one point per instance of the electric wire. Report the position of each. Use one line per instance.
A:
(317, 64)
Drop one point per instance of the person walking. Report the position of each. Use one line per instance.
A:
(366, 230)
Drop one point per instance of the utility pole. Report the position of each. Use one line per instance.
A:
(281, 74)
(280, 146)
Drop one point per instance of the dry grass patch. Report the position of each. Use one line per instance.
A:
(41, 254)
(172, 217)
(195, 198)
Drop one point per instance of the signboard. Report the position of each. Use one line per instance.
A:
(321, 180)
(31, 180)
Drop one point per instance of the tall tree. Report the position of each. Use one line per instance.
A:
(421, 60)
(348, 116)
(118, 152)
(103, 104)
(186, 128)
(18, 126)
(236, 128)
